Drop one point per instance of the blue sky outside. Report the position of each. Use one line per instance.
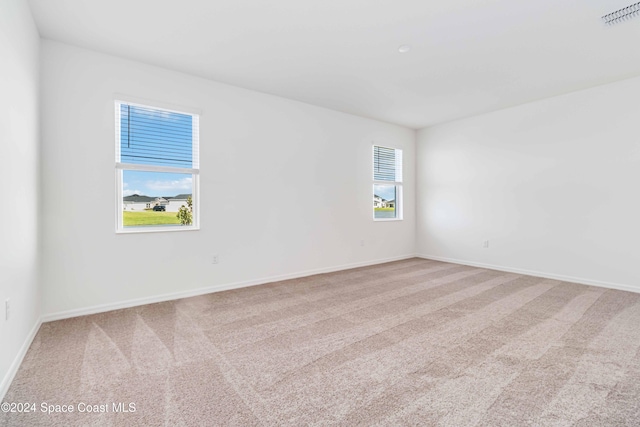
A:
(155, 137)
(387, 192)
(155, 184)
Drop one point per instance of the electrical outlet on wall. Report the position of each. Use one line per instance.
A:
(485, 244)
(215, 259)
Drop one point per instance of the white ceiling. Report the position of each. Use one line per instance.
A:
(467, 56)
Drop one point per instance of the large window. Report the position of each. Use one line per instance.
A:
(157, 169)
(387, 183)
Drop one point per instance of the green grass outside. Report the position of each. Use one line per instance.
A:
(149, 218)
(384, 209)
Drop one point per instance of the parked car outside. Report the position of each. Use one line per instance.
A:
(159, 208)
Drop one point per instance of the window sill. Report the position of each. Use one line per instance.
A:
(163, 229)
(386, 219)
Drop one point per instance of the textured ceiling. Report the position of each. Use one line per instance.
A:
(467, 56)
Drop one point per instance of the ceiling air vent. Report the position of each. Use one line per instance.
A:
(623, 14)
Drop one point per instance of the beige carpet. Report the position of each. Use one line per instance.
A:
(413, 342)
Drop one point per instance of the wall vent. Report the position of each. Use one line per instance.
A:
(623, 14)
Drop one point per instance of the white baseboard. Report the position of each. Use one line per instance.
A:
(13, 369)
(580, 280)
(207, 290)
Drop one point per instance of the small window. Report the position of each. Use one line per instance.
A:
(387, 183)
(157, 169)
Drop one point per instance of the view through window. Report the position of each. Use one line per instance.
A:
(156, 168)
(387, 183)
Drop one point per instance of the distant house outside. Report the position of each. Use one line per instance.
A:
(380, 203)
(383, 208)
(137, 202)
(176, 202)
(160, 201)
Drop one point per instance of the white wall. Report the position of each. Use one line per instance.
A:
(19, 182)
(553, 185)
(285, 186)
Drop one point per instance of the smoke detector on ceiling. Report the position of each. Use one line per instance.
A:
(623, 14)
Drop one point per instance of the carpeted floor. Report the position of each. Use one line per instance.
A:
(413, 342)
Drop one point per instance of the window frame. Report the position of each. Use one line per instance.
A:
(121, 167)
(397, 184)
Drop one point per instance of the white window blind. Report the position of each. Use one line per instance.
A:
(151, 136)
(387, 164)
